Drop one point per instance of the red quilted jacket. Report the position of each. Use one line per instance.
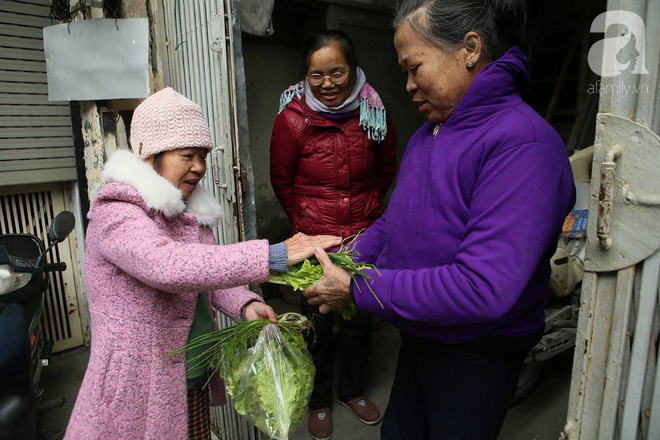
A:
(328, 176)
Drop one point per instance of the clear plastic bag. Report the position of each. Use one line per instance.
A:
(272, 384)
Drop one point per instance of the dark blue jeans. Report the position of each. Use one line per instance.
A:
(453, 392)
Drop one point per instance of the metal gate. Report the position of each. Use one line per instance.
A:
(199, 43)
(615, 388)
(30, 209)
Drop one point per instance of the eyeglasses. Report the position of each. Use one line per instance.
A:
(336, 78)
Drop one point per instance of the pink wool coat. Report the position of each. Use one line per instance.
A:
(148, 256)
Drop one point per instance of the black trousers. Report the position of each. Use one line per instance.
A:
(453, 392)
(355, 344)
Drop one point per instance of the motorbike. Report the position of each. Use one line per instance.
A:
(24, 350)
(564, 288)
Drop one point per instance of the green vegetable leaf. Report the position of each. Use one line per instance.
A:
(349, 311)
(310, 271)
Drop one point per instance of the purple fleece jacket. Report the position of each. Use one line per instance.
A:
(464, 246)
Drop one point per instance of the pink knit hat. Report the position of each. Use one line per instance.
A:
(167, 120)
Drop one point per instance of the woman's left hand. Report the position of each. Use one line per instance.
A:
(259, 310)
(332, 290)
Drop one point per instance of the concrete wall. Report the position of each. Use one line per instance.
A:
(268, 71)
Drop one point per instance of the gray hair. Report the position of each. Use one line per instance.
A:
(444, 23)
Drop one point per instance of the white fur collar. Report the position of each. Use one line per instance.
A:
(157, 192)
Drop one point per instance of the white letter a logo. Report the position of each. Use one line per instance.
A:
(602, 57)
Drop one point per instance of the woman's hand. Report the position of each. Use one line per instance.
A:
(301, 246)
(259, 310)
(332, 290)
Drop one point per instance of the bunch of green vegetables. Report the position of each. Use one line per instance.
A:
(273, 385)
(303, 275)
(267, 371)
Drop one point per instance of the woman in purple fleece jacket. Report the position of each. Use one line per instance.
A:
(464, 246)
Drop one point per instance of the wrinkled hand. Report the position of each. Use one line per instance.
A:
(301, 246)
(332, 290)
(259, 310)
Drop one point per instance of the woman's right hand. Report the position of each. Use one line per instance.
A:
(332, 291)
(301, 246)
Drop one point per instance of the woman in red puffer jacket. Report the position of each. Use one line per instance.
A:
(329, 170)
(332, 160)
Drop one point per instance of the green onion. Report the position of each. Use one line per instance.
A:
(227, 343)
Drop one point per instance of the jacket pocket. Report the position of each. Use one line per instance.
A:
(373, 207)
(306, 215)
(111, 376)
(115, 380)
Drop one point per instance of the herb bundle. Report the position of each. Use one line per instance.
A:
(303, 275)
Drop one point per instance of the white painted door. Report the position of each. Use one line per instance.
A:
(615, 388)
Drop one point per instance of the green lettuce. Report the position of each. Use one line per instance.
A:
(272, 384)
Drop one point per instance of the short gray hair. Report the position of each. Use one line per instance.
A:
(444, 23)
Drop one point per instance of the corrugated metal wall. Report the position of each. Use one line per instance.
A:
(198, 41)
(36, 142)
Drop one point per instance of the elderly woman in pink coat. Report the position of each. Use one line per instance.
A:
(152, 273)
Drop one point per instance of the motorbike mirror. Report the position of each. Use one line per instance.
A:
(61, 226)
(13, 409)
